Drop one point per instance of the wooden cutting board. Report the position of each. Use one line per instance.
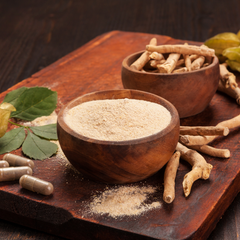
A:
(97, 66)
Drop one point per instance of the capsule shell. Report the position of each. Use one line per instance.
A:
(36, 185)
(4, 164)
(15, 160)
(14, 173)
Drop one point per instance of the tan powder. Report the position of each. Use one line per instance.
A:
(124, 201)
(118, 120)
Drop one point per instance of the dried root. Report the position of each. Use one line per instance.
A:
(195, 140)
(156, 56)
(189, 140)
(211, 151)
(169, 64)
(227, 78)
(232, 92)
(178, 70)
(227, 83)
(144, 58)
(201, 130)
(197, 64)
(153, 63)
(180, 58)
(182, 49)
(188, 61)
(169, 178)
(200, 168)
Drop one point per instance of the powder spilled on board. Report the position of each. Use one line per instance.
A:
(124, 201)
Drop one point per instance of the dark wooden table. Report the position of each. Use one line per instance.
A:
(34, 34)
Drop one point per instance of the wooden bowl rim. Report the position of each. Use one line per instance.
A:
(174, 120)
(125, 65)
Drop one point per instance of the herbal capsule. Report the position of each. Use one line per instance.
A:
(4, 164)
(15, 160)
(13, 173)
(36, 185)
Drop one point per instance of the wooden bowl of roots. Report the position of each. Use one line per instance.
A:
(114, 161)
(190, 92)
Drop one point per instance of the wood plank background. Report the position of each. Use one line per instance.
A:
(34, 34)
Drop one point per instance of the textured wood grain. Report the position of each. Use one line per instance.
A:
(64, 211)
(35, 34)
(48, 30)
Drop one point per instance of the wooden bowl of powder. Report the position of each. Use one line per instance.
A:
(190, 92)
(118, 136)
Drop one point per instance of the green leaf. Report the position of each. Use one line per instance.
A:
(13, 96)
(12, 140)
(47, 131)
(35, 102)
(37, 148)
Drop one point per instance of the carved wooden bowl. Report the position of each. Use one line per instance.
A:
(119, 161)
(189, 92)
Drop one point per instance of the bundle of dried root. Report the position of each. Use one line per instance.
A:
(200, 169)
(178, 58)
(192, 142)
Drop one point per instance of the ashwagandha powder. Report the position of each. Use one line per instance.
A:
(124, 201)
(117, 119)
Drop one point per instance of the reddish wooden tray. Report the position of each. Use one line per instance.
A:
(97, 66)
